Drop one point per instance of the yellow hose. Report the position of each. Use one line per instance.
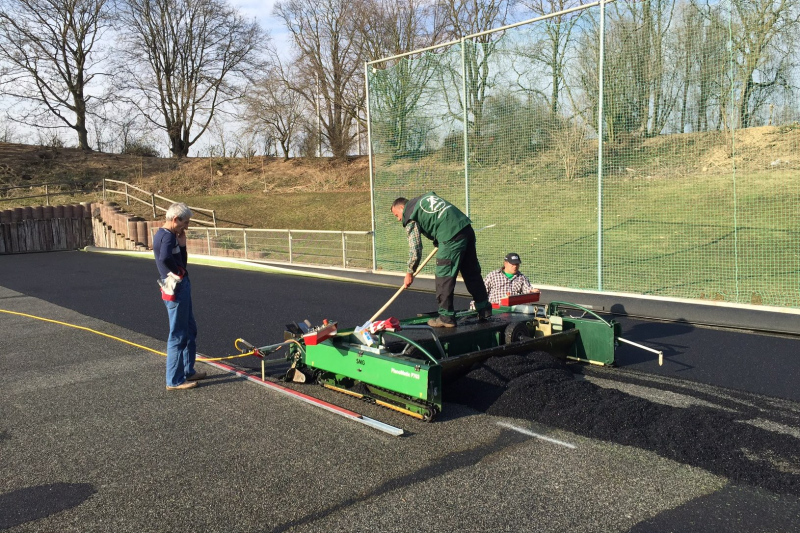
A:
(116, 338)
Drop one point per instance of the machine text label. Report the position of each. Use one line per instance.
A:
(405, 373)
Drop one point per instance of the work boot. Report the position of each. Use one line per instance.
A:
(184, 385)
(439, 322)
(197, 376)
(485, 314)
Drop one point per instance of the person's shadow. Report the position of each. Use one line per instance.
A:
(32, 503)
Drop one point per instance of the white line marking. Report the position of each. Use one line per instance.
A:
(532, 434)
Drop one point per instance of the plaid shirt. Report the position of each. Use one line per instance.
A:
(414, 246)
(499, 286)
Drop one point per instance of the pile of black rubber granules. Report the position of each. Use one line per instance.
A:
(540, 388)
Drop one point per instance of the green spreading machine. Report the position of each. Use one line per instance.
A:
(405, 364)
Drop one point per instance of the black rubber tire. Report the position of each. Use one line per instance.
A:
(517, 331)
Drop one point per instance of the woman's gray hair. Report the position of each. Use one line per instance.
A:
(180, 211)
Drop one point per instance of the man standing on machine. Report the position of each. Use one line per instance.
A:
(451, 231)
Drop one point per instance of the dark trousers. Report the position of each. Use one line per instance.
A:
(454, 256)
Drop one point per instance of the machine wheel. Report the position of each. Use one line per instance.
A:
(517, 331)
(430, 416)
(320, 376)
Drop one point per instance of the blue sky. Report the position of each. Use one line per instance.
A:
(262, 11)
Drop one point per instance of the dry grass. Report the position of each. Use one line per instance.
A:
(257, 192)
(334, 194)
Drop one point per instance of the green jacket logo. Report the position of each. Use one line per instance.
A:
(433, 204)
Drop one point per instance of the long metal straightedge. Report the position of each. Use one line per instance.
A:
(351, 415)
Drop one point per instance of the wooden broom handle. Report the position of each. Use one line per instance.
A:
(401, 289)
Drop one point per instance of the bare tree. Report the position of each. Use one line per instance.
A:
(183, 59)
(399, 87)
(712, 60)
(570, 141)
(639, 96)
(247, 143)
(690, 26)
(329, 62)
(8, 133)
(763, 64)
(461, 18)
(557, 38)
(639, 92)
(702, 64)
(50, 48)
(272, 107)
(220, 134)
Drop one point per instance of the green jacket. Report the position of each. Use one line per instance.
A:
(437, 219)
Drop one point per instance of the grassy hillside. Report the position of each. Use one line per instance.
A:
(698, 215)
(258, 192)
(325, 194)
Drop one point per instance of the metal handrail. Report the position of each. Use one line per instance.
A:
(416, 345)
(206, 212)
(553, 307)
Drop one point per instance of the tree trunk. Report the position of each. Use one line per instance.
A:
(744, 105)
(177, 146)
(80, 119)
(83, 134)
(556, 72)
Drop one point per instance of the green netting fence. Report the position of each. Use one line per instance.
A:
(692, 189)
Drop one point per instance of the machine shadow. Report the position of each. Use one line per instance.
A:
(33, 503)
(658, 335)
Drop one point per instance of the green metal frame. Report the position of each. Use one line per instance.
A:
(341, 356)
(596, 336)
(415, 383)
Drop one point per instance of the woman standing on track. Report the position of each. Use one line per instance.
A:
(169, 248)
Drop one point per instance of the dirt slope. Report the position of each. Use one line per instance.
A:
(24, 164)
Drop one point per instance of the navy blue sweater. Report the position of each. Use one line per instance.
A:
(169, 256)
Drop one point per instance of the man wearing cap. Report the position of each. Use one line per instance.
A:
(507, 280)
(451, 231)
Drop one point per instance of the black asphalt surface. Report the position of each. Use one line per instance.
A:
(754, 362)
(91, 441)
(230, 304)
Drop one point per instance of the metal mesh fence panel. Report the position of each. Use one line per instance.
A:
(417, 131)
(693, 188)
(346, 249)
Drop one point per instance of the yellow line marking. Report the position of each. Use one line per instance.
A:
(90, 330)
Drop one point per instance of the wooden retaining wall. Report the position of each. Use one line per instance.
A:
(114, 229)
(70, 227)
(45, 228)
